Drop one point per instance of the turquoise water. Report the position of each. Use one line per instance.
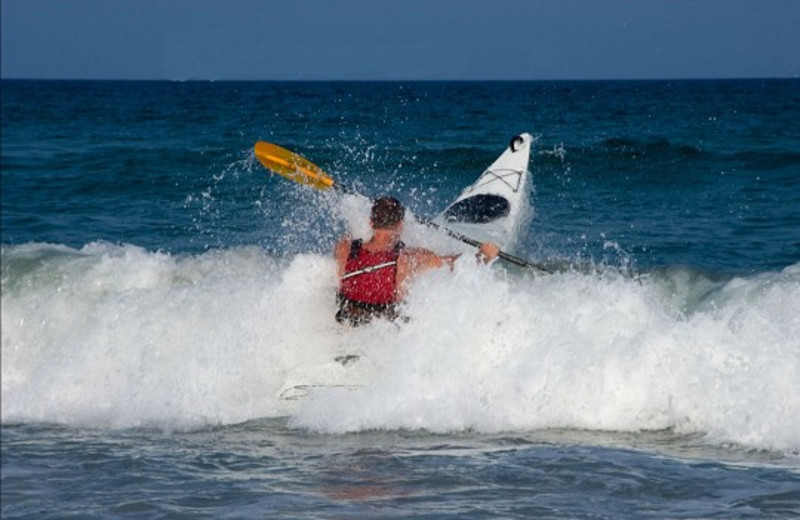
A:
(159, 288)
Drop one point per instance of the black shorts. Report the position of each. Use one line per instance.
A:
(356, 313)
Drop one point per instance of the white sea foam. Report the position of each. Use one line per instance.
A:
(118, 336)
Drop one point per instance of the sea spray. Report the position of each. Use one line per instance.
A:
(587, 352)
(118, 336)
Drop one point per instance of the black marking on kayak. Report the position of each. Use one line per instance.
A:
(347, 359)
(478, 209)
(501, 175)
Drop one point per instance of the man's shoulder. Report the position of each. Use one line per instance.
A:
(416, 251)
(342, 247)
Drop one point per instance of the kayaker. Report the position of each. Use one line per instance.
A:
(373, 274)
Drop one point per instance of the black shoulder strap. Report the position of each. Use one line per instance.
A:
(355, 248)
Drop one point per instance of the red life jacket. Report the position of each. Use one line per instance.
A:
(370, 277)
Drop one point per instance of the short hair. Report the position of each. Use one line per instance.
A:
(386, 213)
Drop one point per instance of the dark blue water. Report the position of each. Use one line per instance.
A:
(694, 173)
(263, 470)
(159, 287)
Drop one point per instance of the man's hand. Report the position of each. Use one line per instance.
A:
(488, 252)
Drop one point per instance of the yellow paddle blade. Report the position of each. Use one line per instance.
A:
(292, 166)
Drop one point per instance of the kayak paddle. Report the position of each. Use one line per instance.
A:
(299, 169)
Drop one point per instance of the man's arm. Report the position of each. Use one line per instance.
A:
(415, 260)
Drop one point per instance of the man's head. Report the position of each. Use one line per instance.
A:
(387, 213)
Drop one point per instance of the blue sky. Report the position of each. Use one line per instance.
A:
(400, 39)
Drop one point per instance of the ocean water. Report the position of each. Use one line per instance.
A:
(160, 289)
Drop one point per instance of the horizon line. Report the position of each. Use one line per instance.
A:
(406, 80)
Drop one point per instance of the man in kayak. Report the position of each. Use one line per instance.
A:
(373, 274)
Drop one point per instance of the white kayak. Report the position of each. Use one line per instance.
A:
(496, 207)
